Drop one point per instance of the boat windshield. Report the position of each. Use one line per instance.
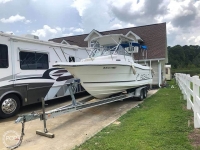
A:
(109, 50)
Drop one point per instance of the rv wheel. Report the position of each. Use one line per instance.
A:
(9, 106)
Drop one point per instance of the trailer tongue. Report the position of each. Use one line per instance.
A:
(139, 92)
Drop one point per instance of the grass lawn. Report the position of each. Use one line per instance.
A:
(161, 122)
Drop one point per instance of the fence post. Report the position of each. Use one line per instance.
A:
(185, 87)
(182, 87)
(196, 106)
(189, 106)
(176, 77)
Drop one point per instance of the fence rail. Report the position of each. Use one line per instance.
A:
(190, 90)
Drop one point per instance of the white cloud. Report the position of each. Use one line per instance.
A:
(81, 5)
(47, 32)
(13, 19)
(94, 14)
(5, 1)
(16, 18)
(116, 26)
(130, 25)
(121, 25)
(58, 28)
(67, 34)
(27, 21)
(79, 30)
(197, 40)
(171, 28)
(181, 16)
(71, 28)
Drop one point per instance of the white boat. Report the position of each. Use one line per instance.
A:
(110, 67)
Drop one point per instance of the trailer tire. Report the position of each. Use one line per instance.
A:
(141, 97)
(9, 106)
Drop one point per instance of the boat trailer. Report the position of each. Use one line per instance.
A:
(140, 93)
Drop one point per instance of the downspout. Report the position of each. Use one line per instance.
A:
(159, 73)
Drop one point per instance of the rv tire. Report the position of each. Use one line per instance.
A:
(9, 106)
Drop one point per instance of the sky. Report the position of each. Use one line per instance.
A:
(57, 18)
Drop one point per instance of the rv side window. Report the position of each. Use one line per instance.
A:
(33, 60)
(71, 59)
(3, 56)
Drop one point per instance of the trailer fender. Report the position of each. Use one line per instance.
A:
(137, 91)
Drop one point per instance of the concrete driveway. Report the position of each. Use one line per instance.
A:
(70, 129)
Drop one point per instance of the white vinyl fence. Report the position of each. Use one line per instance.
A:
(190, 89)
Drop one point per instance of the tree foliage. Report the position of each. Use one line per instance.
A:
(184, 56)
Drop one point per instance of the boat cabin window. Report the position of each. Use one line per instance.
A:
(71, 59)
(33, 60)
(3, 56)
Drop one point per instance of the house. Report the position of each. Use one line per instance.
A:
(153, 36)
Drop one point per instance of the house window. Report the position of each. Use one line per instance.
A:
(33, 60)
(166, 70)
(71, 59)
(94, 43)
(3, 56)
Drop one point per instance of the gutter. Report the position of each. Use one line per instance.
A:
(156, 59)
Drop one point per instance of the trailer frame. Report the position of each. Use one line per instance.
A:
(139, 92)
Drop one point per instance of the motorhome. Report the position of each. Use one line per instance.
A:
(26, 72)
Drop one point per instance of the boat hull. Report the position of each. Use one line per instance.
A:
(104, 80)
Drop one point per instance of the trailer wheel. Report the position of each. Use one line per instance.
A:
(145, 92)
(141, 97)
(9, 106)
